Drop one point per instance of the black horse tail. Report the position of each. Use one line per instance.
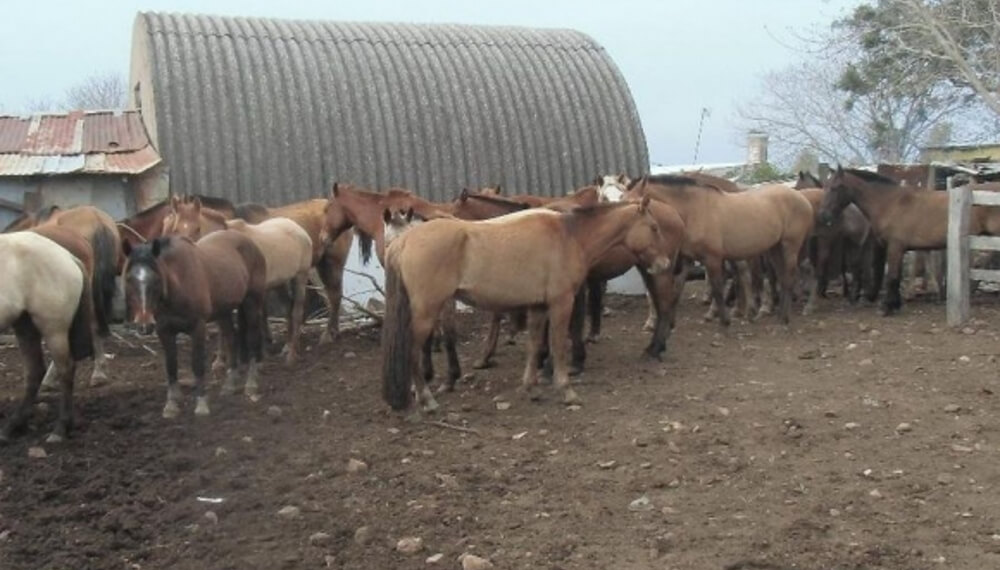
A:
(105, 275)
(81, 335)
(365, 242)
(397, 341)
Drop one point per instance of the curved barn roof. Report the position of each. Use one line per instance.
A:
(276, 110)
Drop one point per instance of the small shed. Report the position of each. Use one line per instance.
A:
(101, 158)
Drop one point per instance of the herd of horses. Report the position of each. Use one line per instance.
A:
(539, 263)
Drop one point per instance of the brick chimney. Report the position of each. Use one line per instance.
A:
(756, 148)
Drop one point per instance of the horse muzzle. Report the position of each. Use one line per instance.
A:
(660, 265)
(144, 322)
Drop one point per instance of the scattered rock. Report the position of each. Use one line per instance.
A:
(319, 539)
(830, 414)
(330, 560)
(641, 504)
(607, 464)
(4, 535)
(473, 562)
(290, 512)
(350, 354)
(434, 559)
(723, 411)
(468, 377)
(503, 406)
(875, 494)
(811, 354)
(274, 411)
(220, 451)
(664, 543)
(864, 327)
(852, 426)
(211, 517)
(866, 362)
(410, 545)
(964, 359)
(952, 408)
(640, 441)
(968, 330)
(356, 465)
(851, 346)
(363, 535)
(961, 448)
(904, 428)
(326, 415)
(945, 479)
(834, 512)
(37, 453)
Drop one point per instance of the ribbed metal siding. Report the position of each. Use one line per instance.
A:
(274, 111)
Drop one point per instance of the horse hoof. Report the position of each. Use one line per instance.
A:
(201, 409)
(570, 397)
(594, 339)
(482, 364)
(171, 410)
(291, 358)
(326, 338)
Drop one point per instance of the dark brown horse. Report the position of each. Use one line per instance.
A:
(177, 286)
(500, 265)
(902, 218)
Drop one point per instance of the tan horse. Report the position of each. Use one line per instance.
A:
(187, 217)
(902, 218)
(773, 220)
(101, 233)
(433, 263)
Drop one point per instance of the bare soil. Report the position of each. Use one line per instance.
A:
(844, 441)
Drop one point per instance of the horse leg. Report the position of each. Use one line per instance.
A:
(227, 336)
(819, 275)
(447, 320)
(878, 252)
(536, 320)
(787, 264)
(595, 306)
(29, 342)
(518, 322)
(745, 288)
(330, 269)
(576, 323)
(221, 357)
(168, 341)
(892, 301)
(490, 344)
(660, 289)
(680, 280)
(560, 314)
(295, 320)
(62, 358)
(713, 266)
(98, 376)
(198, 356)
(937, 259)
(253, 319)
(423, 326)
(768, 294)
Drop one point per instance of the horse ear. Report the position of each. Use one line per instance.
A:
(635, 182)
(644, 204)
(157, 247)
(386, 215)
(464, 195)
(196, 201)
(335, 190)
(409, 214)
(622, 178)
(127, 247)
(596, 181)
(499, 190)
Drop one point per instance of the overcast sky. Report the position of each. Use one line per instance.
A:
(678, 56)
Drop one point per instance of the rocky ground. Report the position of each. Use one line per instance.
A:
(844, 441)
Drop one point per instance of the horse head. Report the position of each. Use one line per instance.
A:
(838, 195)
(397, 221)
(184, 218)
(145, 284)
(612, 188)
(646, 240)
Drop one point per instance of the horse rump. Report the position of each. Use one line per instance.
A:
(105, 274)
(81, 335)
(397, 341)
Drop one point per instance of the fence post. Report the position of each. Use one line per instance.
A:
(959, 212)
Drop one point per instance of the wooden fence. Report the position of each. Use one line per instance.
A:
(960, 244)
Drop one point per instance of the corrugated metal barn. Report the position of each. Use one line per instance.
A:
(274, 111)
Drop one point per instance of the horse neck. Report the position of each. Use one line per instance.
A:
(599, 231)
(872, 199)
(363, 210)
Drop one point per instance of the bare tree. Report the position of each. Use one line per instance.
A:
(98, 91)
(958, 39)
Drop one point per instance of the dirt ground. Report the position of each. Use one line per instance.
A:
(844, 441)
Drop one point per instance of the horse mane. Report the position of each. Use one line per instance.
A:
(365, 243)
(500, 201)
(214, 215)
(213, 202)
(681, 180)
(250, 210)
(870, 176)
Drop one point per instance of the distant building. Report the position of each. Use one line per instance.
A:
(102, 158)
(961, 153)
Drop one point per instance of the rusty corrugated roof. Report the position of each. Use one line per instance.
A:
(98, 142)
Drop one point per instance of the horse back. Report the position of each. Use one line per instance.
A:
(71, 242)
(233, 265)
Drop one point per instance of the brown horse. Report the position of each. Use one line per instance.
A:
(902, 218)
(187, 217)
(848, 244)
(101, 234)
(328, 255)
(552, 251)
(148, 224)
(56, 313)
(773, 220)
(178, 286)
